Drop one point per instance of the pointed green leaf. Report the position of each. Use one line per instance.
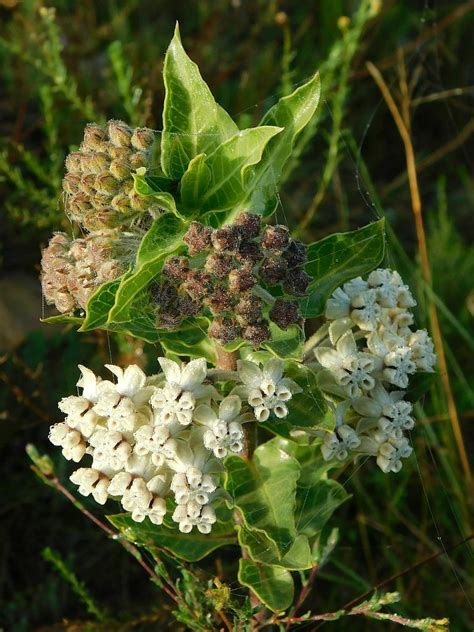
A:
(164, 237)
(63, 319)
(189, 340)
(190, 547)
(193, 123)
(262, 549)
(293, 113)
(338, 258)
(230, 167)
(263, 489)
(286, 344)
(273, 585)
(158, 188)
(100, 304)
(195, 182)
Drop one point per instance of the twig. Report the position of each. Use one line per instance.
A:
(53, 481)
(425, 266)
(306, 589)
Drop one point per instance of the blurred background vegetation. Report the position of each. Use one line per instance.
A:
(66, 63)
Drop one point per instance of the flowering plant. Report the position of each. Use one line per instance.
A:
(233, 441)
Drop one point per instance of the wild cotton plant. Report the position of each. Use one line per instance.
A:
(233, 439)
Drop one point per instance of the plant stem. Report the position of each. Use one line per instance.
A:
(226, 360)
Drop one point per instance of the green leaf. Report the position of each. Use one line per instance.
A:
(286, 344)
(317, 497)
(195, 182)
(193, 123)
(63, 319)
(293, 113)
(306, 409)
(230, 165)
(263, 489)
(273, 585)
(156, 187)
(263, 549)
(190, 547)
(339, 258)
(189, 340)
(100, 304)
(164, 237)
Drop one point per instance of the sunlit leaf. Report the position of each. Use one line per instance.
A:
(339, 258)
(193, 123)
(273, 585)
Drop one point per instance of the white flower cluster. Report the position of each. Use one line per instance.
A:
(367, 353)
(164, 436)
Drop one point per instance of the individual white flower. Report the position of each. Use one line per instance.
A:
(391, 453)
(265, 389)
(111, 449)
(71, 441)
(137, 499)
(123, 403)
(391, 291)
(338, 444)
(351, 367)
(192, 486)
(91, 482)
(398, 366)
(387, 411)
(340, 302)
(367, 311)
(79, 409)
(224, 431)
(155, 440)
(176, 400)
(194, 515)
(422, 349)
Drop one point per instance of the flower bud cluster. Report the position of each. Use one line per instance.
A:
(151, 440)
(368, 353)
(73, 269)
(99, 184)
(224, 275)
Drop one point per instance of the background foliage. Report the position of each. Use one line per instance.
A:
(71, 63)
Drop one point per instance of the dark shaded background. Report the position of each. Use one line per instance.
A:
(94, 61)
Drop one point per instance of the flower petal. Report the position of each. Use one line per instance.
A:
(230, 408)
(193, 374)
(273, 369)
(249, 373)
(171, 370)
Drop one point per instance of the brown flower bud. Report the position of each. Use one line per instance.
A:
(273, 270)
(120, 169)
(138, 202)
(138, 159)
(165, 295)
(257, 333)
(143, 138)
(241, 280)
(295, 254)
(275, 237)
(249, 252)
(187, 306)
(224, 330)
(88, 184)
(94, 137)
(285, 313)
(106, 184)
(74, 162)
(198, 238)
(297, 282)
(249, 308)
(218, 264)
(168, 321)
(226, 238)
(98, 162)
(198, 284)
(220, 300)
(119, 133)
(121, 203)
(119, 153)
(176, 269)
(249, 225)
(72, 183)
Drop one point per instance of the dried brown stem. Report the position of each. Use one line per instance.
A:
(425, 266)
